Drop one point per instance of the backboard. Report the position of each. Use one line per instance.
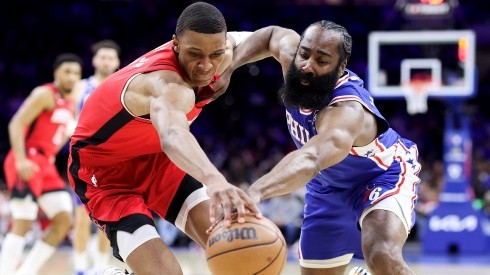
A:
(443, 59)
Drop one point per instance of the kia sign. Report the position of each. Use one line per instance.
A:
(453, 223)
(454, 227)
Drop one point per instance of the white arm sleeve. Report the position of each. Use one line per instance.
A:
(239, 37)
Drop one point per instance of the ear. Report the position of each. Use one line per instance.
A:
(175, 41)
(342, 67)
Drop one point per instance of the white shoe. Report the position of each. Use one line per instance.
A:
(109, 270)
(359, 270)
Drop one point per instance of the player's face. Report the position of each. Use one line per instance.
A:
(313, 74)
(105, 61)
(67, 74)
(200, 55)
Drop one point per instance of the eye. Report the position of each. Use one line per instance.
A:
(217, 55)
(194, 54)
(322, 62)
(303, 55)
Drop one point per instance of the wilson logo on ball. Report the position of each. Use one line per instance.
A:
(245, 233)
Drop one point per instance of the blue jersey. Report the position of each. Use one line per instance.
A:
(363, 163)
(90, 86)
(337, 197)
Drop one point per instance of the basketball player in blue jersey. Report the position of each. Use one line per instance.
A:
(360, 175)
(105, 61)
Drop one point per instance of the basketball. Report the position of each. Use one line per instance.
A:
(253, 247)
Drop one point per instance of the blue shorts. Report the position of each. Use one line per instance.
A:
(332, 215)
(329, 226)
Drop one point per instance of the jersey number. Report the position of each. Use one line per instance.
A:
(59, 135)
(374, 195)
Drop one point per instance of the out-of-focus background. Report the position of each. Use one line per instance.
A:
(244, 132)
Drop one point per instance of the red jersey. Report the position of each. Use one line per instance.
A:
(47, 132)
(107, 132)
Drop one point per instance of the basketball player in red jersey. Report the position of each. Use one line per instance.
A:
(105, 61)
(37, 131)
(132, 150)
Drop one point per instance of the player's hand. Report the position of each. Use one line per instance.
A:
(26, 168)
(225, 199)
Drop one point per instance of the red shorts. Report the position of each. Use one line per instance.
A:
(45, 180)
(113, 192)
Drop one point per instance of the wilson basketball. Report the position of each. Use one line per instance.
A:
(254, 247)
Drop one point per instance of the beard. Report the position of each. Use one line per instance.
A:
(313, 96)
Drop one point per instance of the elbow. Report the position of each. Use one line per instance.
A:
(328, 152)
(341, 144)
(310, 162)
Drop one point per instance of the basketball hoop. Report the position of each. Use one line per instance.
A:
(416, 94)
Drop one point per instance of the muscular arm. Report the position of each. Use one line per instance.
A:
(169, 105)
(338, 130)
(275, 41)
(39, 100)
(171, 99)
(278, 42)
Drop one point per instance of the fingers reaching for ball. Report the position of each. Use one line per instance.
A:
(227, 200)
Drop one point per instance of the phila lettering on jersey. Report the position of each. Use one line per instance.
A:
(298, 133)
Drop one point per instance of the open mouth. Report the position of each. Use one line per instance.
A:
(304, 82)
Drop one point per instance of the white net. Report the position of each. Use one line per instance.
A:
(416, 94)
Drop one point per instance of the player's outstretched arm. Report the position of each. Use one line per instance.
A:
(40, 99)
(278, 42)
(171, 99)
(338, 128)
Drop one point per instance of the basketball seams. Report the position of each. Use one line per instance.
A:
(244, 247)
(255, 245)
(269, 263)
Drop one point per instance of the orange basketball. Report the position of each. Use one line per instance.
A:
(254, 247)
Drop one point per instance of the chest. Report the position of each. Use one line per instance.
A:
(301, 125)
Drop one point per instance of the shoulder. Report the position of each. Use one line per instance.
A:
(160, 83)
(42, 97)
(162, 77)
(43, 92)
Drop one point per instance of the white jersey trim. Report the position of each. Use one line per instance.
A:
(377, 152)
(327, 263)
(350, 98)
(122, 98)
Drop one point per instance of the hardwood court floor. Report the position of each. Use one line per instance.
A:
(193, 263)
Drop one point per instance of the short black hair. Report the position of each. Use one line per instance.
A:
(345, 45)
(106, 43)
(200, 17)
(66, 57)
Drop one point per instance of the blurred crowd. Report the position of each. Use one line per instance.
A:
(244, 132)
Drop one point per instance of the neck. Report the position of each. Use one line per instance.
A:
(63, 92)
(99, 77)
